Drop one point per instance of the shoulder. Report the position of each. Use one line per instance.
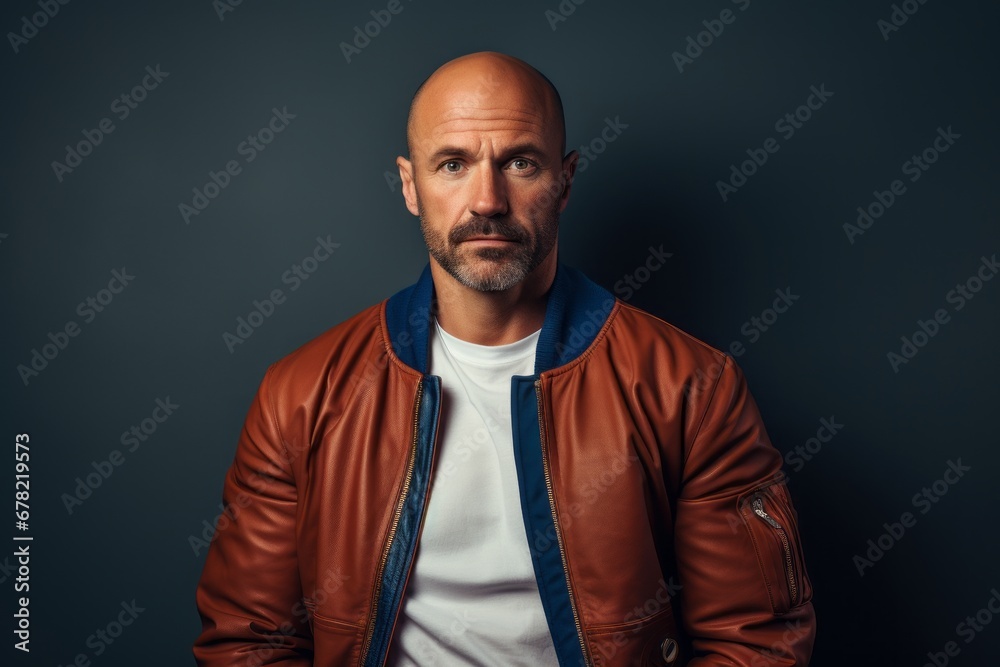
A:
(644, 349)
(338, 350)
(645, 332)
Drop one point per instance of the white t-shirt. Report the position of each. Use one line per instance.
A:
(472, 598)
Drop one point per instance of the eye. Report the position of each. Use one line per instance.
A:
(452, 167)
(522, 165)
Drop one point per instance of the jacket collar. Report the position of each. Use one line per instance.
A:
(576, 310)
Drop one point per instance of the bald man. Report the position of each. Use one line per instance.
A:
(503, 464)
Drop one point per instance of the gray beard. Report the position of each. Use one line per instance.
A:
(510, 266)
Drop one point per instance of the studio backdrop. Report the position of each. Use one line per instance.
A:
(193, 189)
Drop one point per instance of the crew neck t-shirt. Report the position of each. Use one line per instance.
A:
(472, 598)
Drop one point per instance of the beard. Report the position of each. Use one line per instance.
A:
(491, 269)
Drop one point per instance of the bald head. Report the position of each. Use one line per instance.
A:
(487, 176)
(481, 83)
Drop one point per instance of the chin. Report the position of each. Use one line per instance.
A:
(492, 279)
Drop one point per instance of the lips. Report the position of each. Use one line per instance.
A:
(491, 239)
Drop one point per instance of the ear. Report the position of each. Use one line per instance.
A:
(409, 186)
(568, 173)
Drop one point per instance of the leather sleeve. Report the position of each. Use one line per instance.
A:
(249, 595)
(746, 597)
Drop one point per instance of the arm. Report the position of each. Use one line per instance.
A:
(249, 595)
(746, 598)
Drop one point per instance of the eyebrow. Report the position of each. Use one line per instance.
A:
(528, 149)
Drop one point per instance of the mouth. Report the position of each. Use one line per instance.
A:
(487, 233)
(489, 240)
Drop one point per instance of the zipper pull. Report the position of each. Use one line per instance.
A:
(758, 508)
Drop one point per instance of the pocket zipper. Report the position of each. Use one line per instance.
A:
(757, 502)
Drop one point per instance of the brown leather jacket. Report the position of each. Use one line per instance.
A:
(660, 528)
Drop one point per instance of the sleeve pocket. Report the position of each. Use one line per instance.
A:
(771, 521)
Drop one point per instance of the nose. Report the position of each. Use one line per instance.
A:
(489, 195)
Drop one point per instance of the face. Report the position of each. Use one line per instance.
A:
(491, 253)
(487, 180)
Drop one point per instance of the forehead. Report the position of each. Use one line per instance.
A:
(498, 123)
(495, 106)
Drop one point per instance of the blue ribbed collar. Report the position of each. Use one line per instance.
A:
(576, 310)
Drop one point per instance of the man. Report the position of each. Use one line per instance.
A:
(503, 464)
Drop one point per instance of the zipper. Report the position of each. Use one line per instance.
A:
(758, 509)
(555, 522)
(411, 462)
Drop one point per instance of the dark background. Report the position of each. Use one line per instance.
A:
(325, 176)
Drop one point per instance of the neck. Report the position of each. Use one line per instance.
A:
(493, 318)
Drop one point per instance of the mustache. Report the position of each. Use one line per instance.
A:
(480, 226)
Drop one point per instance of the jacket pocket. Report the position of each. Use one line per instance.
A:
(771, 521)
(334, 642)
(324, 622)
(651, 641)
